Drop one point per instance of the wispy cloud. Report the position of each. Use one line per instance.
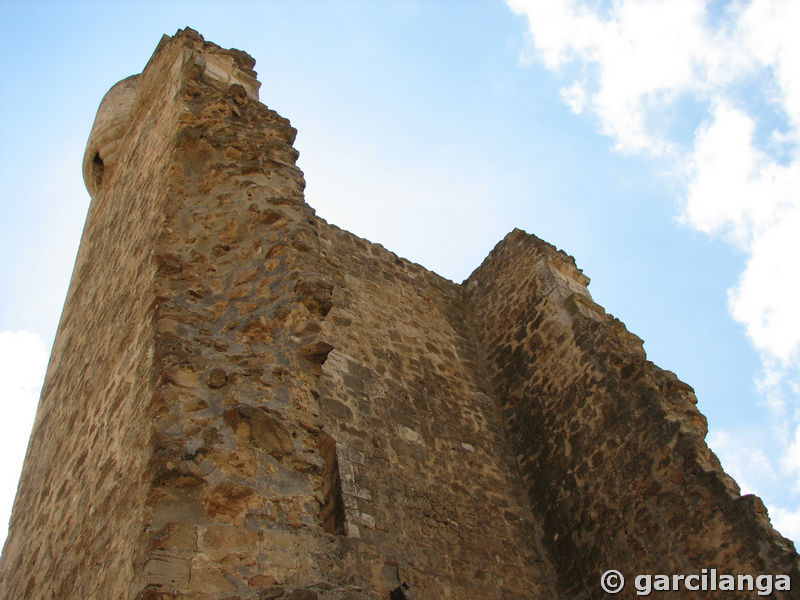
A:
(633, 65)
(786, 520)
(746, 463)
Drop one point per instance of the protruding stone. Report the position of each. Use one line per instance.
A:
(316, 352)
(315, 293)
(217, 378)
(303, 595)
(255, 426)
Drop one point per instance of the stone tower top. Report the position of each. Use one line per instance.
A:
(216, 65)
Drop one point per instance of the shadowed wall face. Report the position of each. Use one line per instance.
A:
(245, 402)
(611, 448)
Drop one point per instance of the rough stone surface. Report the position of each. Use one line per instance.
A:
(610, 447)
(247, 403)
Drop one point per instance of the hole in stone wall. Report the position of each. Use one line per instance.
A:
(333, 515)
(401, 592)
(97, 169)
(316, 352)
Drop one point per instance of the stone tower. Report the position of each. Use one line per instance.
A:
(246, 402)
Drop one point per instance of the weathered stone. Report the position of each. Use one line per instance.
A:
(303, 595)
(316, 351)
(246, 402)
(166, 571)
(217, 378)
(316, 294)
(269, 594)
(254, 426)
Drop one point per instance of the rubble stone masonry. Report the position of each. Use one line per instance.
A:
(246, 402)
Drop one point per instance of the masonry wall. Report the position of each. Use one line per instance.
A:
(245, 402)
(297, 413)
(610, 446)
(321, 427)
(79, 510)
(172, 454)
(432, 495)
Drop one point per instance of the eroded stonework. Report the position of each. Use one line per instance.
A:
(246, 402)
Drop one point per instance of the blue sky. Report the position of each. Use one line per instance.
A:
(656, 142)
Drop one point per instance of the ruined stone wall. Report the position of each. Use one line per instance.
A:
(245, 402)
(610, 446)
(166, 460)
(79, 510)
(302, 409)
(237, 473)
(430, 492)
(315, 426)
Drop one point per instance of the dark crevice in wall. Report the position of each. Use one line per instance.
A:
(333, 515)
(316, 352)
(98, 168)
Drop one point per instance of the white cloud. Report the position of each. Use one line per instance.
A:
(753, 470)
(638, 57)
(574, 96)
(727, 173)
(23, 360)
(790, 461)
(769, 31)
(741, 59)
(738, 191)
(785, 520)
(747, 464)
